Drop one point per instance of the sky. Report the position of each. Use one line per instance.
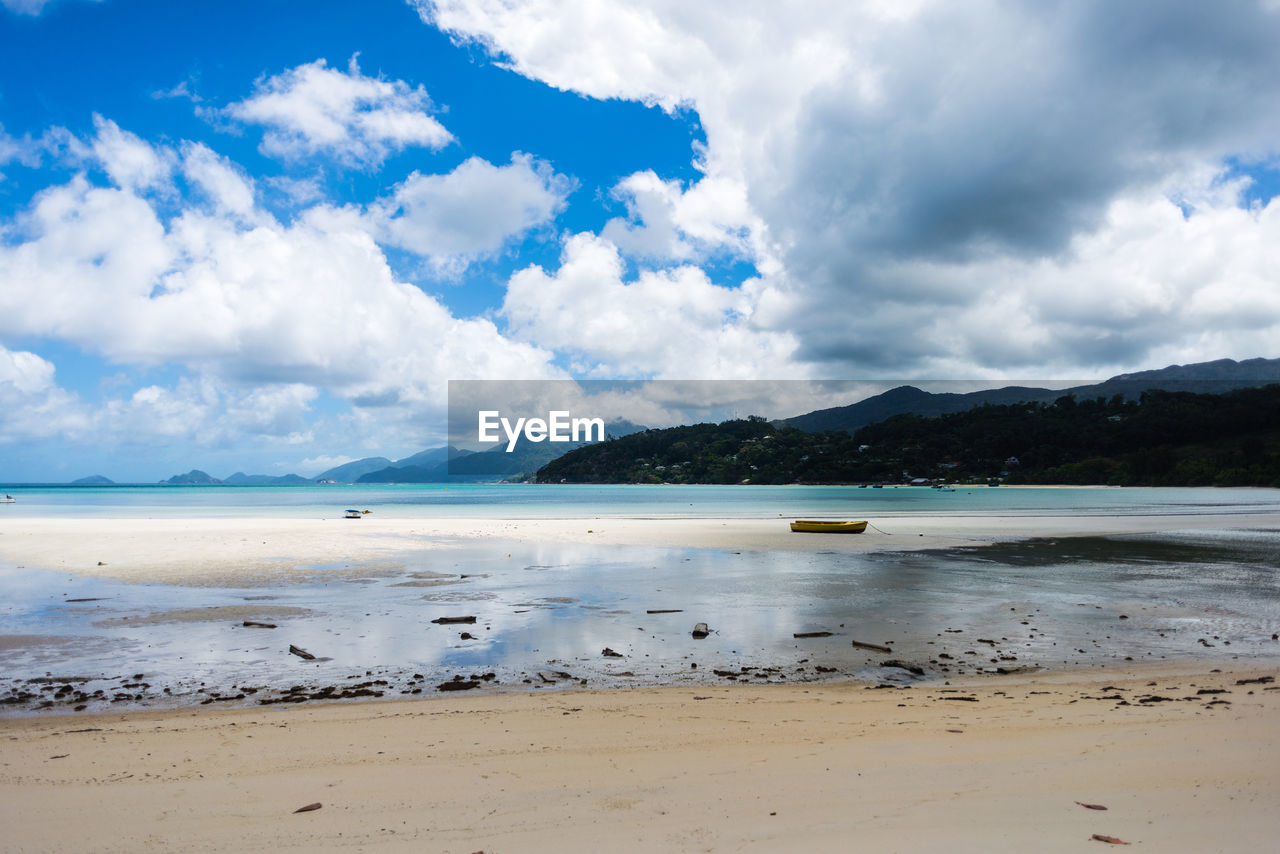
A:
(263, 236)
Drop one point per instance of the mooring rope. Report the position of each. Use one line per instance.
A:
(886, 533)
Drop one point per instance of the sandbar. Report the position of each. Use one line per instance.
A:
(243, 551)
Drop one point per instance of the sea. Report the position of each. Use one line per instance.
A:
(549, 616)
(532, 501)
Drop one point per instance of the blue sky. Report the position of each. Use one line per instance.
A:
(263, 236)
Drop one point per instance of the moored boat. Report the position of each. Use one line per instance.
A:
(825, 526)
(353, 514)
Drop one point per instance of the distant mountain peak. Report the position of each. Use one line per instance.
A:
(1217, 376)
(1219, 369)
(352, 471)
(195, 476)
(93, 480)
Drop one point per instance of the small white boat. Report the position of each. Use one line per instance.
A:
(8, 499)
(353, 514)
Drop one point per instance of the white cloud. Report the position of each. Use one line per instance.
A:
(320, 463)
(131, 163)
(24, 373)
(900, 155)
(182, 90)
(31, 7)
(8, 147)
(298, 192)
(472, 211)
(276, 411)
(605, 50)
(32, 404)
(26, 151)
(34, 407)
(226, 186)
(88, 254)
(161, 413)
(668, 222)
(672, 323)
(313, 109)
(262, 314)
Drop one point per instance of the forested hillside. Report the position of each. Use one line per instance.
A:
(1162, 439)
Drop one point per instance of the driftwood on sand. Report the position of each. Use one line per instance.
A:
(874, 647)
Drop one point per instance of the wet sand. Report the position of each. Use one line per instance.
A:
(1182, 758)
(246, 551)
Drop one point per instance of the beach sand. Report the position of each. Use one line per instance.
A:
(249, 550)
(814, 768)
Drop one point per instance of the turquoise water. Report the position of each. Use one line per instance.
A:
(525, 501)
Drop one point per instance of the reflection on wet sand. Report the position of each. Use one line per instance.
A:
(610, 616)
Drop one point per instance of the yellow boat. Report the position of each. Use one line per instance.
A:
(815, 526)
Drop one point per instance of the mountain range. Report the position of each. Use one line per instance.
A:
(449, 464)
(445, 464)
(1164, 438)
(1214, 377)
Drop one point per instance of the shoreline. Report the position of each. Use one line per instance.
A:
(197, 550)
(1180, 752)
(1181, 756)
(218, 572)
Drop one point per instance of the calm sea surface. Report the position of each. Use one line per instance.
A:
(539, 608)
(525, 501)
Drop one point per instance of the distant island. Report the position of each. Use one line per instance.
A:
(723, 450)
(445, 464)
(93, 480)
(1163, 438)
(195, 476)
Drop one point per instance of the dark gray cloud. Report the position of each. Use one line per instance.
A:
(1006, 133)
(1012, 131)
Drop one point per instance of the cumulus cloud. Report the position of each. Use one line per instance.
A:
(313, 109)
(472, 211)
(266, 302)
(25, 150)
(898, 153)
(34, 407)
(131, 163)
(225, 185)
(261, 313)
(672, 323)
(668, 222)
(604, 50)
(276, 412)
(1156, 280)
(32, 404)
